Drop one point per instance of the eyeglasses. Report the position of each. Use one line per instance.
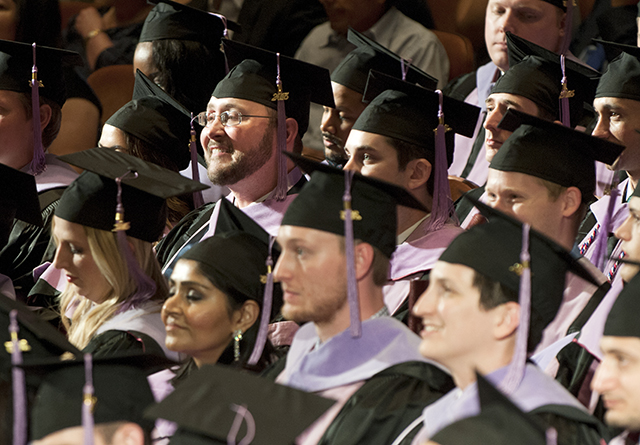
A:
(227, 118)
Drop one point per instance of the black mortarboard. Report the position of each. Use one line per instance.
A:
(622, 77)
(16, 62)
(319, 205)
(354, 69)
(121, 391)
(156, 118)
(622, 320)
(408, 112)
(209, 403)
(172, 20)
(236, 261)
(493, 250)
(500, 422)
(552, 152)
(253, 77)
(562, 4)
(19, 195)
(39, 338)
(90, 200)
(536, 74)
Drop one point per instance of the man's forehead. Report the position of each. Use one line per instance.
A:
(626, 345)
(288, 233)
(233, 102)
(518, 3)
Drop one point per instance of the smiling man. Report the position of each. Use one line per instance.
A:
(617, 378)
(540, 22)
(471, 314)
(379, 379)
(240, 141)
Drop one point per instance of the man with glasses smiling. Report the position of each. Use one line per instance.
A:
(243, 137)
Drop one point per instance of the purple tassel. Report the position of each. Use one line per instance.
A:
(38, 163)
(267, 301)
(88, 401)
(198, 200)
(282, 185)
(565, 94)
(442, 207)
(352, 285)
(552, 436)
(145, 286)
(242, 413)
(19, 386)
(516, 371)
(404, 67)
(225, 33)
(600, 248)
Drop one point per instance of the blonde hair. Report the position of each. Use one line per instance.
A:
(88, 317)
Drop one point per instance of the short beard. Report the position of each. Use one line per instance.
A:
(245, 164)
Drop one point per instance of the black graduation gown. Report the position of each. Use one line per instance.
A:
(386, 404)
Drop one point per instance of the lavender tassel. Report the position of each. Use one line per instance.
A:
(89, 400)
(565, 94)
(552, 436)
(404, 67)
(600, 249)
(145, 286)
(568, 28)
(241, 413)
(38, 163)
(282, 185)
(19, 386)
(352, 285)
(198, 201)
(267, 301)
(442, 207)
(516, 371)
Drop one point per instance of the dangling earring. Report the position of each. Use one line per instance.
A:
(237, 337)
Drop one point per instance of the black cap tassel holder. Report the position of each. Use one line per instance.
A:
(267, 302)
(19, 386)
(88, 400)
(225, 35)
(242, 413)
(198, 200)
(516, 371)
(282, 186)
(38, 162)
(146, 287)
(348, 215)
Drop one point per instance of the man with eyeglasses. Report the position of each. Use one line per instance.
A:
(243, 138)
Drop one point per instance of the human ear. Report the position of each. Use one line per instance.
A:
(128, 434)
(247, 315)
(419, 173)
(45, 116)
(363, 256)
(507, 319)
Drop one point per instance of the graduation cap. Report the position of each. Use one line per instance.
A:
(413, 114)
(156, 118)
(16, 63)
(622, 320)
(19, 73)
(173, 20)
(353, 71)
(253, 77)
(113, 388)
(562, 4)
(351, 205)
(220, 405)
(622, 77)
(534, 149)
(494, 250)
(500, 422)
(90, 200)
(537, 74)
(19, 195)
(240, 265)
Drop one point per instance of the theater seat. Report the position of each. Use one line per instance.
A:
(460, 53)
(459, 186)
(114, 87)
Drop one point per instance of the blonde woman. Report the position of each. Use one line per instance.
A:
(115, 289)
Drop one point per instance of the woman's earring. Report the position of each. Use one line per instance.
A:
(237, 337)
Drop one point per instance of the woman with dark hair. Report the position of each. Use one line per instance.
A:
(215, 302)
